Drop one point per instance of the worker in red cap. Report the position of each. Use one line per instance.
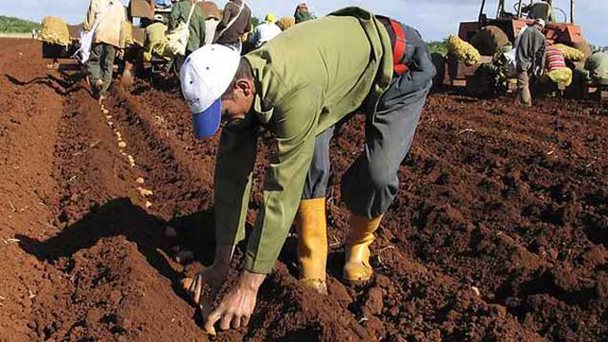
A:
(300, 85)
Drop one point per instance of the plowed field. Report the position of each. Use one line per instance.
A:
(499, 231)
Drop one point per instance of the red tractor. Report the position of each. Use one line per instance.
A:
(490, 35)
(141, 14)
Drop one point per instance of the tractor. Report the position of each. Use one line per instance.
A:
(489, 35)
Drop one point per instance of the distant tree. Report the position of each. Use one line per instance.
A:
(440, 47)
(255, 21)
(16, 25)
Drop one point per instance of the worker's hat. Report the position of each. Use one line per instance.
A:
(270, 18)
(205, 76)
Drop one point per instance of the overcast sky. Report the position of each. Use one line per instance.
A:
(434, 18)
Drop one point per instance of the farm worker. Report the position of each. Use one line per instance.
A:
(265, 31)
(529, 58)
(106, 18)
(597, 65)
(302, 13)
(383, 69)
(235, 24)
(556, 69)
(541, 10)
(213, 19)
(180, 12)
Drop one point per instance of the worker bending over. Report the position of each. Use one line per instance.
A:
(597, 66)
(300, 85)
(529, 58)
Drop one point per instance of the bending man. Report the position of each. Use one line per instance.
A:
(300, 85)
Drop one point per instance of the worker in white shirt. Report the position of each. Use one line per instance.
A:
(265, 31)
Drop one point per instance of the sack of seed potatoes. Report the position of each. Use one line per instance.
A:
(561, 76)
(570, 53)
(463, 51)
(286, 22)
(55, 31)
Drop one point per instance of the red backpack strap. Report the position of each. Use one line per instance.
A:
(399, 48)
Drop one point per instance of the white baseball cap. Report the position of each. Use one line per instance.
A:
(205, 76)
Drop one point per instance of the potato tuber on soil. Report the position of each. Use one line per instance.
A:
(144, 192)
(186, 283)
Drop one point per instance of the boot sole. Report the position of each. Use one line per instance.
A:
(356, 282)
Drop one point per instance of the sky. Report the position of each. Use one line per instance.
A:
(435, 19)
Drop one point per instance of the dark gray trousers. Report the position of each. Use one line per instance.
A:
(100, 65)
(371, 183)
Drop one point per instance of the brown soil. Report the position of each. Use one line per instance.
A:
(499, 231)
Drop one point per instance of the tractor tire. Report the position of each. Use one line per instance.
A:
(439, 61)
(490, 40)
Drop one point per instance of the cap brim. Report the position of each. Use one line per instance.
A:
(207, 122)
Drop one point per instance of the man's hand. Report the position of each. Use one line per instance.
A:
(236, 308)
(213, 276)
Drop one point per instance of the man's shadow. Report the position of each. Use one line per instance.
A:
(63, 86)
(120, 217)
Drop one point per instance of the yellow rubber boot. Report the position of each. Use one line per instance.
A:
(357, 269)
(312, 246)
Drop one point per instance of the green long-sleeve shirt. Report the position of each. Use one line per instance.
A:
(307, 79)
(180, 13)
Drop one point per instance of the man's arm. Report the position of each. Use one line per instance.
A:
(228, 15)
(90, 17)
(422, 70)
(197, 28)
(235, 163)
(295, 119)
(174, 17)
(123, 34)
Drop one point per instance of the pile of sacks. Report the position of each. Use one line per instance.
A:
(570, 53)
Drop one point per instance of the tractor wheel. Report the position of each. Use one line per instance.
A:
(490, 40)
(439, 61)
